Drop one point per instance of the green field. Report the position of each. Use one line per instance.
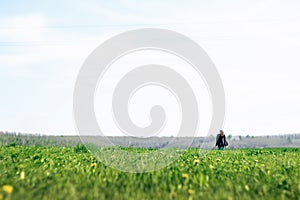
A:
(73, 173)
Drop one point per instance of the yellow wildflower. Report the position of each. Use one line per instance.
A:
(94, 164)
(7, 188)
(185, 175)
(247, 187)
(196, 161)
(22, 175)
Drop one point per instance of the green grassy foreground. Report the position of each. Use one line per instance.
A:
(73, 173)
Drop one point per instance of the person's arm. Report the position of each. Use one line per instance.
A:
(226, 143)
(217, 140)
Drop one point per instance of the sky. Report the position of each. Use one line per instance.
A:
(254, 44)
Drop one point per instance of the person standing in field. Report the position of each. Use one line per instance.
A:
(221, 141)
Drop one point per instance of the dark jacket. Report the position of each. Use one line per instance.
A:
(221, 141)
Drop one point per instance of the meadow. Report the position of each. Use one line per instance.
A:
(49, 172)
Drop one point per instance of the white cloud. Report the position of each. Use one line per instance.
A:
(21, 28)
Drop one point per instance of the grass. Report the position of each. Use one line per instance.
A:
(73, 173)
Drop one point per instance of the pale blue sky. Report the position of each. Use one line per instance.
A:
(254, 44)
